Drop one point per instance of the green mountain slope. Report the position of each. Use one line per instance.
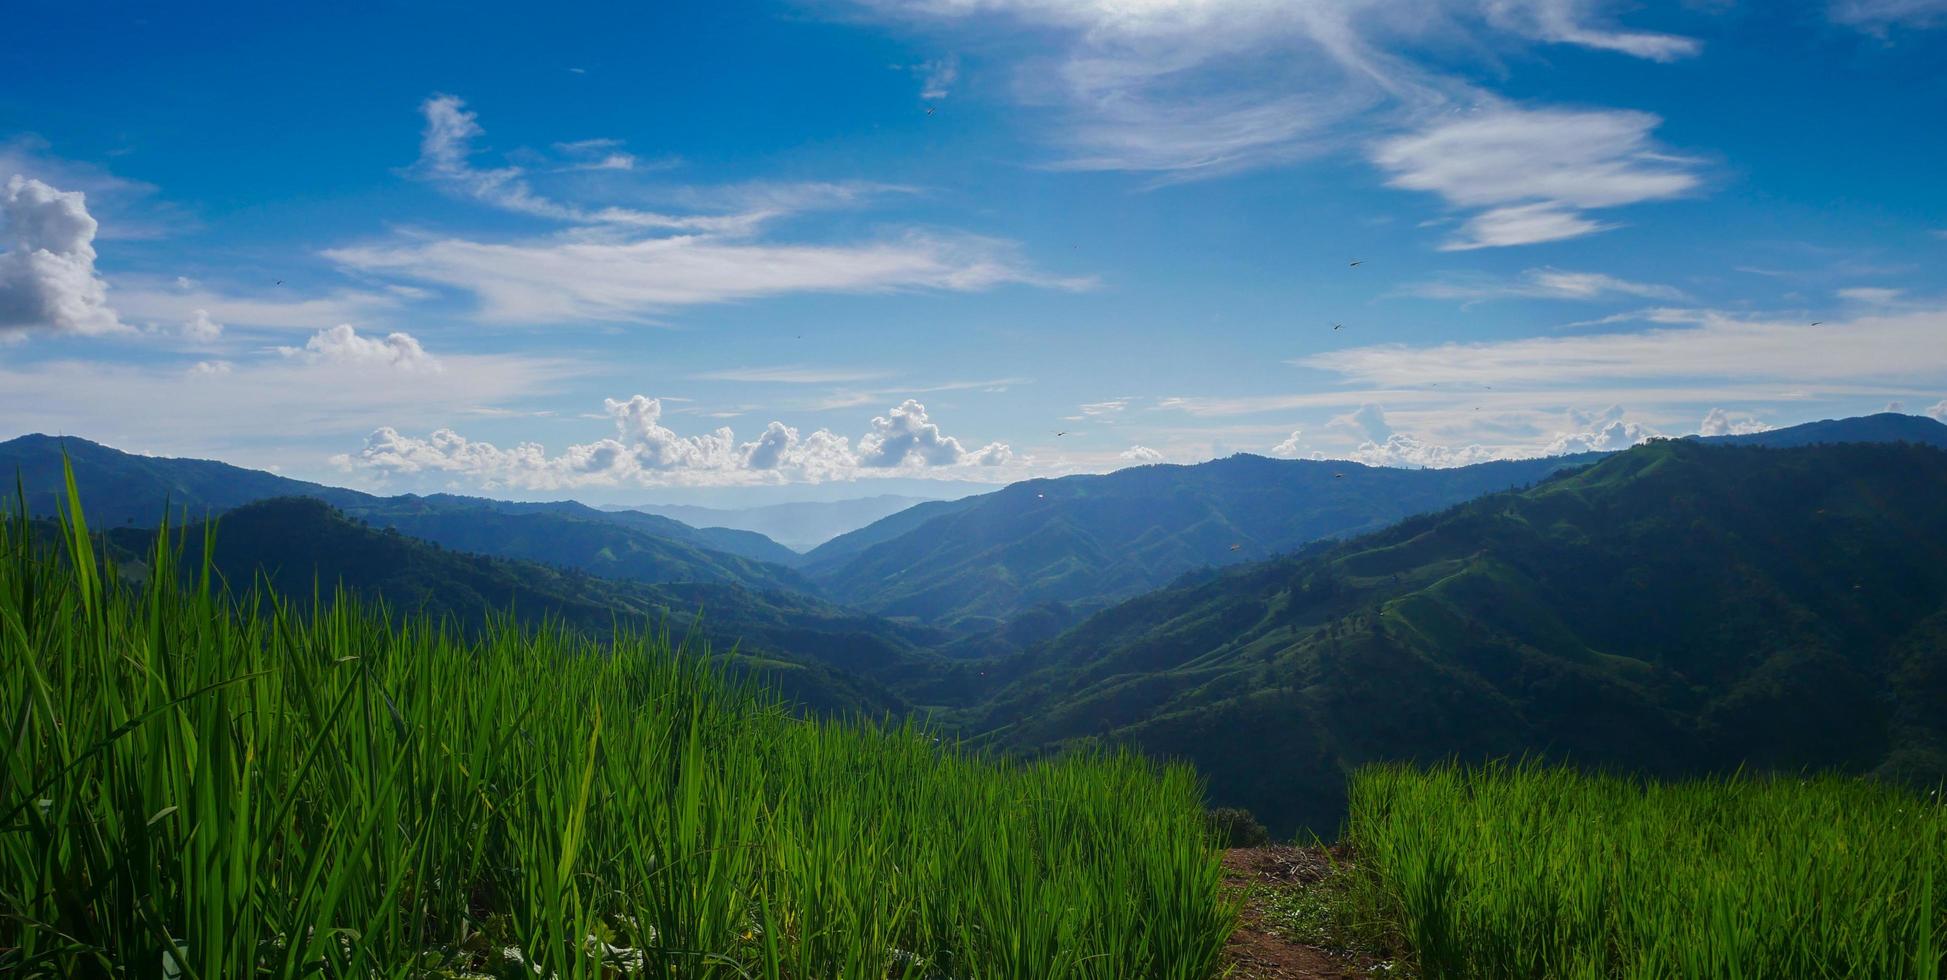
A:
(123, 489)
(1677, 608)
(818, 654)
(1086, 540)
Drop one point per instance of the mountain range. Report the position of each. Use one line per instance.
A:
(129, 490)
(1677, 608)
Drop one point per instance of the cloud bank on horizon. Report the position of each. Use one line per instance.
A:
(1089, 233)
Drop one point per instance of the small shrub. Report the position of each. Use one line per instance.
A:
(1233, 826)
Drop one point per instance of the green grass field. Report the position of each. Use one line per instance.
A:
(1525, 871)
(204, 787)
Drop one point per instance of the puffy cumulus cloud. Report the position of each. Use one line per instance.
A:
(1718, 422)
(342, 345)
(906, 437)
(1410, 452)
(47, 274)
(1606, 431)
(1601, 432)
(1141, 454)
(201, 328)
(203, 369)
(1939, 412)
(645, 452)
(1292, 446)
(1534, 173)
(1367, 422)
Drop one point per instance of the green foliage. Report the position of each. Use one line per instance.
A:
(1526, 871)
(1233, 826)
(223, 788)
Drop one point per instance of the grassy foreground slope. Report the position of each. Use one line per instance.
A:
(1522, 872)
(816, 655)
(229, 791)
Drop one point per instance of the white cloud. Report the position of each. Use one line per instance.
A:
(178, 300)
(1292, 445)
(906, 435)
(200, 328)
(937, 77)
(1881, 348)
(1572, 22)
(644, 452)
(204, 368)
(1403, 450)
(1605, 431)
(1939, 412)
(1547, 283)
(1602, 432)
(596, 154)
(291, 405)
(575, 279)
(1192, 88)
(1368, 422)
(1871, 295)
(1535, 172)
(622, 264)
(1718, 422)
(1877, 16)
(47, 274)
(1112, 407)
(342, 345)
(445, 158)
(1142, 455)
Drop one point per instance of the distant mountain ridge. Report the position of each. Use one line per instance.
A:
(1088, 540)
(125, 489)
(1680, 607)
(1070, 546)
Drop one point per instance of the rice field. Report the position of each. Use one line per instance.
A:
(203, 785)
(1526, 871)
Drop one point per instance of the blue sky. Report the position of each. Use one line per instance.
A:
(546, 250)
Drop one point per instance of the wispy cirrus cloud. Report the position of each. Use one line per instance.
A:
(626, 264)
(1544, 283)
(1534, 175)
(1879, 16)
(1183, 90)
(1883, 348)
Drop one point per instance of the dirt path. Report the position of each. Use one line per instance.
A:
(1257, 953)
